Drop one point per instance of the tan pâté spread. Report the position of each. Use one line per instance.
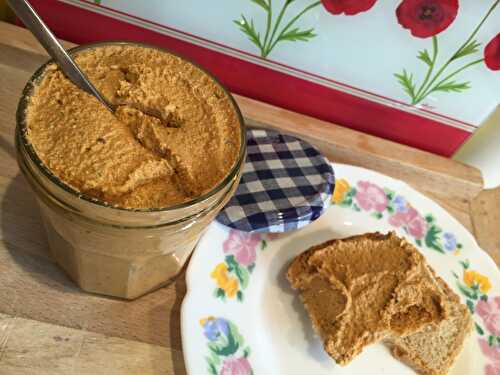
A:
(175, 134)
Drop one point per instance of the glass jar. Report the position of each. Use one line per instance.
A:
(115, 251)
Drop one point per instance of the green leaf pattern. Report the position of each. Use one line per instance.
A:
(226, 348)
(406, 81)
(475, 287)
(278, 23)
(433, 236)
(274, 32)
(235, 273)
(452, 86)
(425, 57)
(443, 80)
(241, 272)
(273, 29)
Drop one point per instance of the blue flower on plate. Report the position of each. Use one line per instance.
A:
(213, 328)
(450, 241)
(400, 203)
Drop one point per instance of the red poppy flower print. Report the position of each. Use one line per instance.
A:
(348, 7)
(492, 53)
(426, 18)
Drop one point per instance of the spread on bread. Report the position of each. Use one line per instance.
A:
(372, 287)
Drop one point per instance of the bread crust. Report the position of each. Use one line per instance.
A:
(459, 317)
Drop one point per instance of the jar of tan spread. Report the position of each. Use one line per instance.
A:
(125, 196)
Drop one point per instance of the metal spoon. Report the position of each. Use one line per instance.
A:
(34, 23)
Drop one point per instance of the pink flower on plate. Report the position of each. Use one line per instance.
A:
(236, 366)
(242, 245)
(412, 220)
(370, 196)
(490, 313)
(493, 353)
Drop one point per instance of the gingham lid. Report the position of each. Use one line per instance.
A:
(286, 184)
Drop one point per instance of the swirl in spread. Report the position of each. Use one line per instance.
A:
(175, 134)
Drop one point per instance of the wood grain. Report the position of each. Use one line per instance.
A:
(31, 347)
(485, 213)
(143, 336)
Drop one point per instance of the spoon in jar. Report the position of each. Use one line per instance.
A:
(26, 13)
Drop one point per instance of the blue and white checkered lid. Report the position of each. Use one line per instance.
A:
(286, 184)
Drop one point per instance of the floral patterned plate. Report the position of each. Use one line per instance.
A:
(240, 316)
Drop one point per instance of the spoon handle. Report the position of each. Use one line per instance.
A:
(34, 23)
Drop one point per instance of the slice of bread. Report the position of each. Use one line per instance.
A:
(433, 350)
(361, 289)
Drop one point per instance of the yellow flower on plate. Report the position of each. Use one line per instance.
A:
(472, 278)
(341, 187)
(231, 287)
(205, 320)
(224, 281)
(219, 273)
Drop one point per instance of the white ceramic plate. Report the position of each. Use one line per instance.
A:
(240, 316)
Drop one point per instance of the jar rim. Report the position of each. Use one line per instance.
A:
(21, 130)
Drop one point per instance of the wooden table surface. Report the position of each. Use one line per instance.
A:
(48, 326)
